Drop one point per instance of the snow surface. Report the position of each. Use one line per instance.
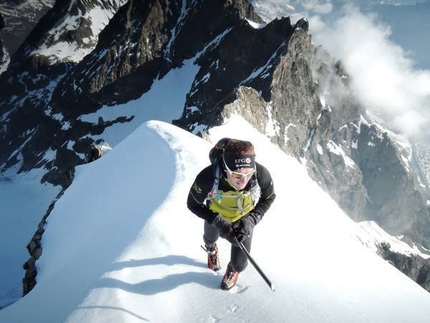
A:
(23, 201)
(121, 246)
(153, 105)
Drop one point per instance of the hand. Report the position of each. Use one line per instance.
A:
(243, 228)
(225, 229)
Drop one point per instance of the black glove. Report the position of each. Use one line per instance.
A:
(243, 227)
(225, 230)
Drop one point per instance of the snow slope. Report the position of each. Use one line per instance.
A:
(23, 202)
(121, 246)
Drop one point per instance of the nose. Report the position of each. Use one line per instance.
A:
(242, 180)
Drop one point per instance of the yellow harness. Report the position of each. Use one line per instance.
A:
(233, 205)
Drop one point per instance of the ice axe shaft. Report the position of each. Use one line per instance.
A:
(252, 261)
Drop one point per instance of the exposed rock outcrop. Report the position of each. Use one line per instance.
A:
(21, 16)
(413, 266)
(35, 250)
(2, 49)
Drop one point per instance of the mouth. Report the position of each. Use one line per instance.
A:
(239, 184)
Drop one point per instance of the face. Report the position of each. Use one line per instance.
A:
(240, 177)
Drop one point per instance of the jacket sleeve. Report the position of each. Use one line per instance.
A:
(198, 192)
(267, 193)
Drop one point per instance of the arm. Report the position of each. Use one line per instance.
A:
(198, 193)
(267, 193)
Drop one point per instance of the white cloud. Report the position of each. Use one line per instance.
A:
(383, 77)
(317, 7)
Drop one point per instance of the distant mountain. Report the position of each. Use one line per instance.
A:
(84, 59)
(407, 19)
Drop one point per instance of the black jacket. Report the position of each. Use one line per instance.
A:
(197, 197)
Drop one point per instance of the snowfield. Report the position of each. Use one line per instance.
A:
(121, 246)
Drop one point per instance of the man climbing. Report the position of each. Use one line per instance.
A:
(231, 195)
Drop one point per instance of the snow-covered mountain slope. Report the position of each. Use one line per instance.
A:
(21, 198)
(83, 25)
(372, 236)
(120, 246)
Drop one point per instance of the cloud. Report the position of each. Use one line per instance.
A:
(383, 77)
(317, 7)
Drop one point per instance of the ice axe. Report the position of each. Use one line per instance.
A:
(252, 261)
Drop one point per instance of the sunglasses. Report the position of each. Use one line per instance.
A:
(237, 175)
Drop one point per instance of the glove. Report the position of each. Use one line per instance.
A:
(243, 227)
(225, 230)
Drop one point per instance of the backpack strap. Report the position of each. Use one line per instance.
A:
(215, 191)
(215, 156)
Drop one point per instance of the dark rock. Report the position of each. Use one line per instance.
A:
(302, 23)
(413, 266)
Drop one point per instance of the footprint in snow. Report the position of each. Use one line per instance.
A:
(239, 289)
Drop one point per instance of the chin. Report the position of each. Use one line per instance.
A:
(240, 187)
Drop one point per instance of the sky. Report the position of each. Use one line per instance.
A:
(121, 246)
(387, 78)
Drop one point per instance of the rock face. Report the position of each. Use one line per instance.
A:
(2, 50)
(19, 18)
(35, 250)
(415, 267)
(272, 75)
(26, 97)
